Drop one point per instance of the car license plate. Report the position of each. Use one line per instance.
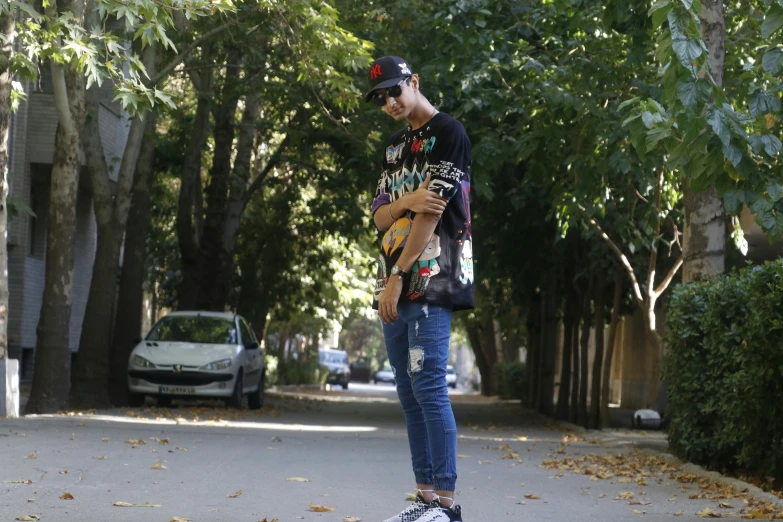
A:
(176, 390)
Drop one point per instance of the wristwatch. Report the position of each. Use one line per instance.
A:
(396, 270)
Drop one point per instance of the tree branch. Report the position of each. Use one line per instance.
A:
(259, 179)
(623, 260)
(185, 54)
(668, 279)
(654, 248)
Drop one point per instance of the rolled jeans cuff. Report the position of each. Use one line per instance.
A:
(423, 476)
(447, 483)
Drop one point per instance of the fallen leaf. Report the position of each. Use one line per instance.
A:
(179, 519)
(352, 519)
(532, 497)
(522, 502)
(180, 448)
(298, 479)
(125, 504)
(624, 495)
(136, 442)
(73, 436)
(725, 505)
(158, 465)
(64, 472)
(105, 439)
(31, 456)
(708, 513)
(463, 456)
(18, 481)
(66, 496)
(122, 504)
(100, 457)
(321, 509)
(235, 495)
(28, 517)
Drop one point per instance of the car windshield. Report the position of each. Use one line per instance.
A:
(194, 329)
(333, 357)
(449, 369)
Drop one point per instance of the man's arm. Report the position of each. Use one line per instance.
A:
(421, 232)
(420, 201)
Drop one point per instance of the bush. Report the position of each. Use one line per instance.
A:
(510, 380)
(295, 371)
(724, 369)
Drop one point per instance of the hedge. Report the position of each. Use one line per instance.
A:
(724, 370)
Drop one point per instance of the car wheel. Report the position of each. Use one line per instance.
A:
(135, 400)
(453, 386)
(235, 401)
(255, 400)
(345, 385)
(164, 401)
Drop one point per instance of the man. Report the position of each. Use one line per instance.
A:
(425, 273)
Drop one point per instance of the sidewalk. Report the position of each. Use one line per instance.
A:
(206, 463)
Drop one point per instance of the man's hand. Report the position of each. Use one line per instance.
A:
(387, 304)
(424, 201)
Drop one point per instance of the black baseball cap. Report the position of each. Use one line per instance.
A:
(387, 71)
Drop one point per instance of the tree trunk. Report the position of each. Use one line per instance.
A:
(573, 412)
(584, 355)
(8, 28)
(534, 327)
(191, 291)
(51, 380)
(91, 369)
(704, 237)
(483, 362)
(130, 300)
(613, 324)
(548, 357)
(595, 391)
(565, 368)
(654, 347)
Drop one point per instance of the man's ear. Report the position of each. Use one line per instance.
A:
(415, 82)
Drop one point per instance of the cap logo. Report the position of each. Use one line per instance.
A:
(404, 68)
(375, 71)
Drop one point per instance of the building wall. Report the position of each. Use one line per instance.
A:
(32, 151)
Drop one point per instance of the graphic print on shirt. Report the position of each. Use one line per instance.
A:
(443, 273)
(424, 268)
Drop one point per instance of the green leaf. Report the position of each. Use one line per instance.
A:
(732, 154)
(774, 191)
(687, 50)
(772, 61)
(761, 205)
(761, 103)
(767, 220)
(773, 21)
(732, 202)
(717, 120)
(687, 3)
(771, 143)
(687, 93)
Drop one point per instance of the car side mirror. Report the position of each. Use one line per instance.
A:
(136, 340)
(251, 346)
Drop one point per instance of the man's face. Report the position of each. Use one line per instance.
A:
(401, 106)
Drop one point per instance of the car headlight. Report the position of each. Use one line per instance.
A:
(141, 362)
(222, 364)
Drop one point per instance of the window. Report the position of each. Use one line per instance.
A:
(246, 333)
(194, 329)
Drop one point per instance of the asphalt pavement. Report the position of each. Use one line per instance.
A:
(334, 456)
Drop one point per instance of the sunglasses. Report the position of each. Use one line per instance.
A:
(379, 98)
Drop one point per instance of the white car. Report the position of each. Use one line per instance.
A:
(451, 376)
(198, 354)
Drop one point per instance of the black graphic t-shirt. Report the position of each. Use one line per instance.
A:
(443, 274)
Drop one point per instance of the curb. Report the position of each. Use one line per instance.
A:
(740, 485)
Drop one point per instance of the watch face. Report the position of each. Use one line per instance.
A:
(395, 270)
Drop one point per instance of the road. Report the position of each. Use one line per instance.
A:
(346, 451)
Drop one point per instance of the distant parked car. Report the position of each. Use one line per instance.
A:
(451, 376)
(361, 371)
(385, 374)
(198, 354)
(336, 361)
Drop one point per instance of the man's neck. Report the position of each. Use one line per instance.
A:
(423, 113)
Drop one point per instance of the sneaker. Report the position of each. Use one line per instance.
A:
(438, 513)
(412, 512)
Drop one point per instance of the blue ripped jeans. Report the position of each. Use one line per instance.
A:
(418, 347)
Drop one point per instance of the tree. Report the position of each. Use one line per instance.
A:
(7, 35)
(65, 35)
